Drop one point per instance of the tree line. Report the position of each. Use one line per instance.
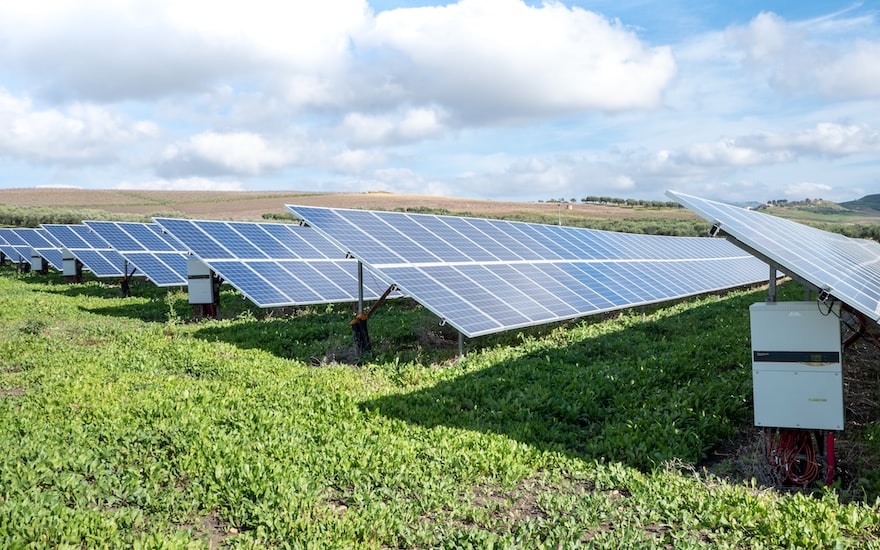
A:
(616, 201)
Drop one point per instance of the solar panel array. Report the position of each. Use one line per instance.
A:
(15, 248)
(849, 269)
(159, 258)
(273, 264)
(95, 254)
(40, 242)
(484, 276)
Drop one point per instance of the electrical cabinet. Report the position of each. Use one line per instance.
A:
(38, 263)
(796, 365)
(200, 282)
(68, 263)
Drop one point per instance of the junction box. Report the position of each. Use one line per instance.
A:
(796, 365)
(200, 280)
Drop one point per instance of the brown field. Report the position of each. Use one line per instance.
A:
(252, 205)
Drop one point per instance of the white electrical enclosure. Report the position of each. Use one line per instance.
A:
(796, 365)
(37, 261)
(200, 282)
(68, 263)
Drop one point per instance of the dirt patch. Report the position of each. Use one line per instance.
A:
(214, 529)
(12, 392)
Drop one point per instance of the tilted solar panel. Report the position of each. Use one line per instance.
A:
(160, 259)
(94, 252)
(848, 269)
(15, 248)
(40, 242)
(484, 276)
(274, 264)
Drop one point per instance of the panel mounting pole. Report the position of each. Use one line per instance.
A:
(360, 288)
(771, 288)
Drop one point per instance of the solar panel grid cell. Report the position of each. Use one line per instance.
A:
(491, 275)
(274, 264)
(825, 260)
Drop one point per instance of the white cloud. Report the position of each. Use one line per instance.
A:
(240, 153)
(354, 161)
(827, 138)
(82, 133)
(807, 190)
(363, 129)
(421, 123)
(412, 125)
(505, 58)
(114, 50)
(812, 56)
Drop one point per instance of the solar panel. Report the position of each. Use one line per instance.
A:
(39, 241)
(485, 276)
(157, 257)
(848, 269)
(94, 252)
(273, 264)
(15, 248)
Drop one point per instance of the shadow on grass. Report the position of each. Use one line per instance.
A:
(310, 336)
(647, 393)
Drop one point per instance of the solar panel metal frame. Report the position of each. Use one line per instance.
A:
(41, 243)
(469, 271)
(94, 252)
(294, 266)
(846, 269)
(13, 246)
(162, 260)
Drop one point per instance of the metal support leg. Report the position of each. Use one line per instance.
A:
(360, 288)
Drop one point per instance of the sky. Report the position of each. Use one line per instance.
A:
(491, 99)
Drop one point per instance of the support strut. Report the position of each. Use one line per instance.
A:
(359, 323)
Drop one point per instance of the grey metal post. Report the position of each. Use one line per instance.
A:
(360, 288)
(460, 344)
(771, 289)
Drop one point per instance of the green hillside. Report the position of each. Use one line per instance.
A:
(868, 202)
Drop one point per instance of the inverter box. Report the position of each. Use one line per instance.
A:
(199, 281)
(797, 378)
(68, 263)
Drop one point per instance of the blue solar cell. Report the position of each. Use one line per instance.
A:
(97, 262)
(227, 237)
(115, 236)
(846, 268)
(148, 251)
(274, 264)
(269, 245)
(300, 242)
(166, 269)
(250, 283)
(484, 276)
(189, 233)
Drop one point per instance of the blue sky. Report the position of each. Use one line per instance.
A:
(495, 99)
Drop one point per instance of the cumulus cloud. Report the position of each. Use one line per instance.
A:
(355, 161)
(807, 190)
(237, 153)
(81, 133)
(505, 58)
(411, 125)
(114, 50)
(798, 57)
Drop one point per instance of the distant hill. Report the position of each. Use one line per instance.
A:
(818, 211)
(868, 202)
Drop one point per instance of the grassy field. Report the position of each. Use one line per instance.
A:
(125, 424)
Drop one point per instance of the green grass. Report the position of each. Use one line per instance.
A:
(124, 424)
